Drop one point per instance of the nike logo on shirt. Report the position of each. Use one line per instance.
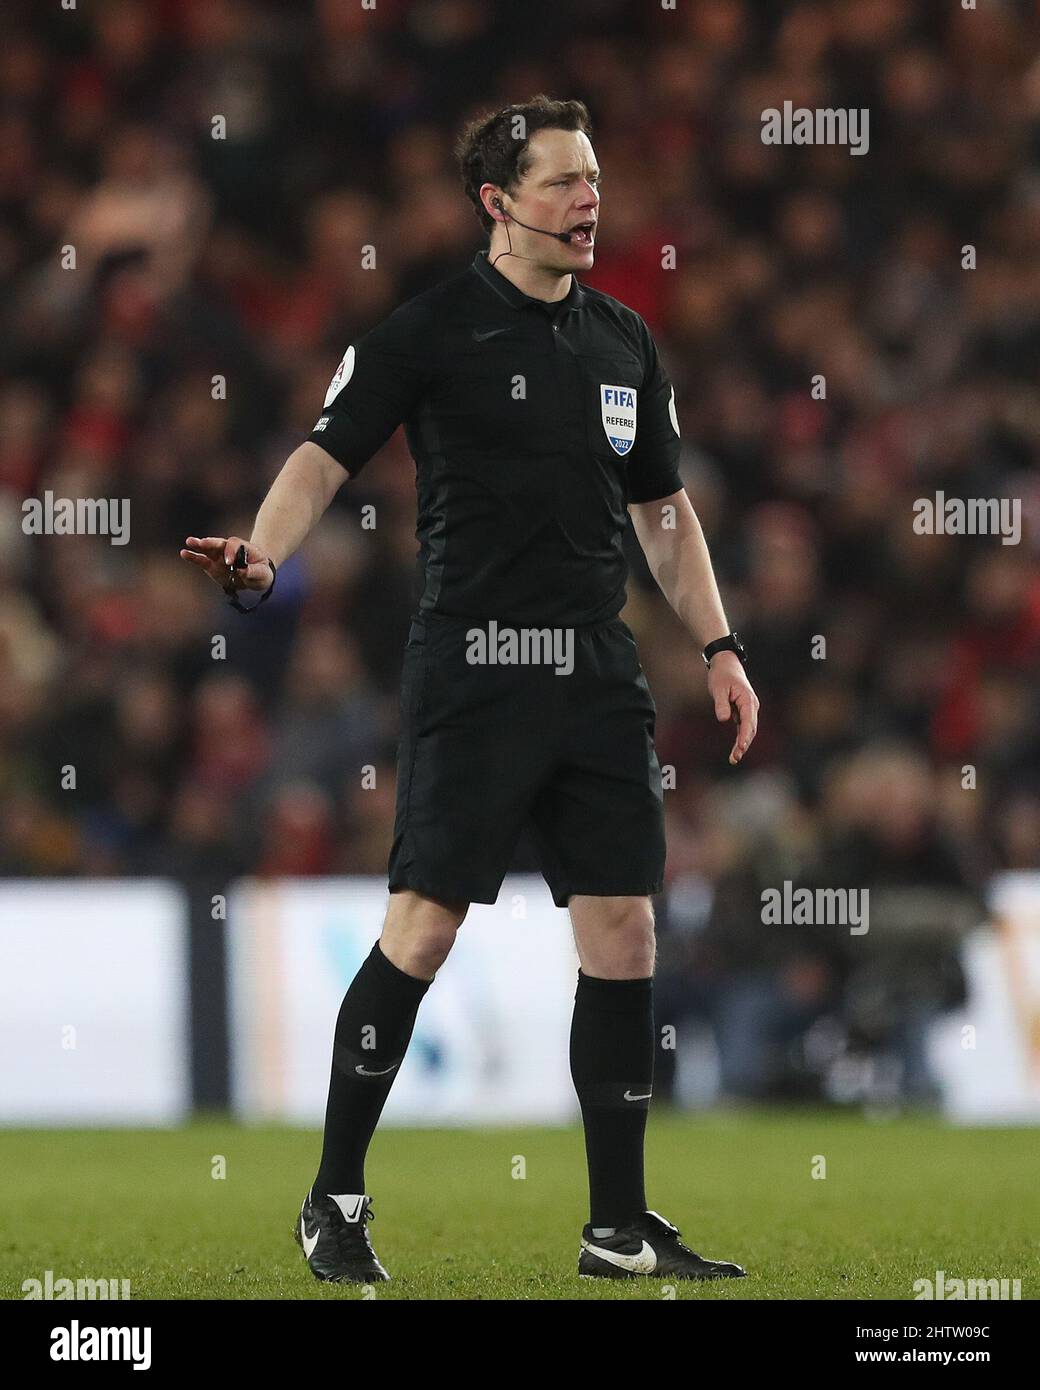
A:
(479, 337)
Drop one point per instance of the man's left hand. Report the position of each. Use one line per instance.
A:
(734, 699)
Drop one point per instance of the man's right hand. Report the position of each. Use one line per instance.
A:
(216, 554)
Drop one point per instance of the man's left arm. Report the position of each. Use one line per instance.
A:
(677, 554)
(674, 544)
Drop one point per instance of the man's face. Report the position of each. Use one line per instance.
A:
(558, 192)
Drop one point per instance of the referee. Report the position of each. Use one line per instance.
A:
(538, 413)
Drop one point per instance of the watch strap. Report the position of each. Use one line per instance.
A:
(240, 607)
(730, 643)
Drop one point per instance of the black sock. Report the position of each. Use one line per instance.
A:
(612, 1064)
(373, 1029)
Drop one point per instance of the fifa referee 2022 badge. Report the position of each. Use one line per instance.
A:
(540, 419)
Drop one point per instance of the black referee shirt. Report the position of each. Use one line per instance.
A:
(532, 425)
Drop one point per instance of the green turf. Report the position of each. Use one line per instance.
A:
(901, 1199)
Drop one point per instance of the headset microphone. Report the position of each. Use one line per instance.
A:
(565, 237)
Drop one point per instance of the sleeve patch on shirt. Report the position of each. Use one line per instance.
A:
(344, 372)
(671, 412)
(617, 407)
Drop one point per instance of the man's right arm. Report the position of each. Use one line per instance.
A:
(297, 500)
(376, 386)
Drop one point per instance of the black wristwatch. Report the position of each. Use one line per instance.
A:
(730, 643)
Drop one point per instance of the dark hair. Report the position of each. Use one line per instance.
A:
(489, 150)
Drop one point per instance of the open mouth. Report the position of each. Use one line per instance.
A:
(583, 233)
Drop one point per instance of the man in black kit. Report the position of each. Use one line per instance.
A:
(537, 412)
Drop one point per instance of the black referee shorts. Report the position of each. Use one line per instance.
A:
(487, 748)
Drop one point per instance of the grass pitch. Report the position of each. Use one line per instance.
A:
(901, 1199)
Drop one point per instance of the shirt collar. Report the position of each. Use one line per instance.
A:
(515, 297)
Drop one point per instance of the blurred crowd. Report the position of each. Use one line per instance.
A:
(185, 189)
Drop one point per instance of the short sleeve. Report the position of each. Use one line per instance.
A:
(653, 463)
(376, 387)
